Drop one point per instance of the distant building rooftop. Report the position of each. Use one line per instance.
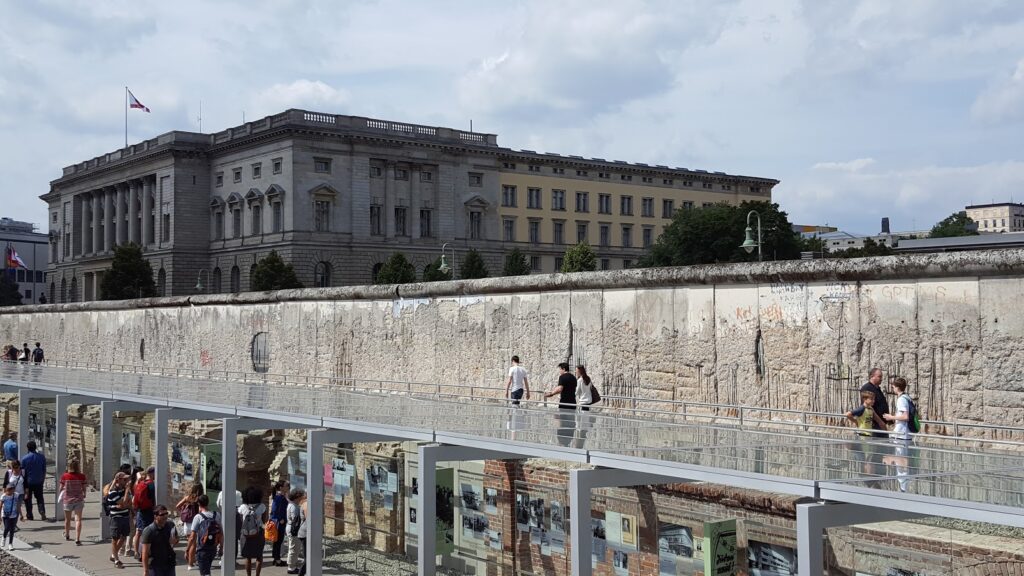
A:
(957, 243)
(997, 204)
(11, 225)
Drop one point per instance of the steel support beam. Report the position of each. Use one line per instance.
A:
(426, 560)
(315, 441)
(581, 483)
(813, 518)
(107, 443)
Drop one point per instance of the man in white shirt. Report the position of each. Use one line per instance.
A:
(518, 384)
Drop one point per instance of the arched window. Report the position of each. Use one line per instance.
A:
(376, 272)
(161, 282)
(63, 290)
(322, 275)
(236, 279)
(73, 295)
(216, 280)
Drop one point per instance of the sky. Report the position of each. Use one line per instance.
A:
(909, 109)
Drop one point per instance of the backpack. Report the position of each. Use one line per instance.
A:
(913, 417)
(270, 531)
(143, 501)
(295, 522)
(188, 511)
(252, 523)
(209, 528)
(595, 396)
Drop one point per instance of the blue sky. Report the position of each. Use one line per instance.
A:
(863, 108)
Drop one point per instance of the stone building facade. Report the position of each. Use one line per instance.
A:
(336, 195)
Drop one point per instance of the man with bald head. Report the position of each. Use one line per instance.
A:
(881, 406)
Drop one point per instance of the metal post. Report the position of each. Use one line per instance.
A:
(814, 517)
(426, 559)
(581, 537)
(61, 457)
(315, 503)
(162, 462)
(229, 476)
(106, 456)
(24, 404)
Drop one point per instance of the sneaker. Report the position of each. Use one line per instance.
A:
(10, 547)
(293, 570)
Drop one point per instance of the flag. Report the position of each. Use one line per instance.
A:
(13, 260)
(133, 102)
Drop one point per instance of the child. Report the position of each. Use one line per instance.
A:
(9, 509)
(865, 415)
(901, 429)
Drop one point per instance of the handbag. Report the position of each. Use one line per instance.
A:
(595, 396)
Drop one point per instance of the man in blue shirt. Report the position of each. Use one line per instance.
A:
(34, 465)
(11, 447)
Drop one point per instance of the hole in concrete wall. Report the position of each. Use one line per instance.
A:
(142, 349)
(260, 350)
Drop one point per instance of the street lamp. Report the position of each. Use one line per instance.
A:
(748, 243)
(444, 268)
(199, 282)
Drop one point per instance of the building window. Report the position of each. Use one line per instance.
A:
(476, 179)
(626, 206)
(257, 219)
(707, 205)
(558, 199)
(626, 264)
(236, 222)
(534, 228)
(322, 275)
(508, 196)
(401, 174)
(509, 165)
(648, 180)
(755, 189)
(236, 175)
(647, 207)
(165, 228)
(533, 198)
(726, 186)
(706, 185)
(558, 263)
(375, 272)
(322, 165)
(626, 177)
(604, 203)
(648, 237)
(606, 234)
(688, 183)
(218, 225)
(667, 181)
(604, 175)
(687, 205)
(581, 172)
(426, 224)
(627, 236)
(216, 280)
(475, 221)
(558, 232)
(605, 264)
(376, 172)
(236, 279)
(581, 232)
(376, 221)
(275, 165)
(426, 176)
(161, 282)
(583, 202)
(535, 263)
(400, 225)
(668, 208)
(257, 170)
(558, 170)
(534, 168)
(219, 179)
(322, 215)
(509, 229)
(278, 216)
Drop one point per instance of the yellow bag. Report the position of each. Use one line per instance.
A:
(270, 531)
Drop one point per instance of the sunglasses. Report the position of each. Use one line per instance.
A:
(163, 513)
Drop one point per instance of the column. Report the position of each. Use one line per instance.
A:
(415, 204)
(133, 212)
(147, 209)
(86, 220)
(108, 219)
(389, 200)
(97, 241)
(229, 477)
(120, 230)
(106, 457)
(813, 518)
(60, 458)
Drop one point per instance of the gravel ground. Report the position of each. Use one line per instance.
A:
(360, 560)
(11, 566)
(972, 527)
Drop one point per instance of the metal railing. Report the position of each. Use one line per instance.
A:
(637, 407)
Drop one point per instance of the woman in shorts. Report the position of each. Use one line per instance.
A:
(73, 486)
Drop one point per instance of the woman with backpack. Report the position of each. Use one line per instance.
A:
(254, 517)
(187, 509)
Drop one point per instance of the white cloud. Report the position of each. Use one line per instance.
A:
(307, 94)
(1003, 101)
(851, 166)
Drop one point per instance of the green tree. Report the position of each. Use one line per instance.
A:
(397, 270)
(515, 264)
(957, 224)
(473, 266)
(9, 294)
(714, 234)
(272, 273)
(870, 248)
(579, 258)
(432, 272)
(130, 275)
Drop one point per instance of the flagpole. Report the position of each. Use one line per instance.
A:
(125, 116)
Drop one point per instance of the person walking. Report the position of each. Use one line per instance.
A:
(73, 487)
(26, 353)
(117, 506)
(881, 406)
(900, 420)
(16, 477)
(11, 447)
(254, 516)
(144, 503)
(158, 541)
(518, 384)
(566, 388)
(187, 509)
(38, 356)
(279, 515)
(295, 499)
(584, 394)
(34, 465)
(10, 507)
(206, 535)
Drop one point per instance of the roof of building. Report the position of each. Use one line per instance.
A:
(996, 205)
(1008, 240)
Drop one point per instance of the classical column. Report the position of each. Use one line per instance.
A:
(108, 219)
(97, 242)
(147, 209)
(389, 200)
(133, 211)
(120, 230)
(86, 234)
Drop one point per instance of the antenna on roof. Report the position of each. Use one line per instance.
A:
(470, 124)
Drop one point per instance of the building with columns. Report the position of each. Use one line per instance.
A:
(336, 195)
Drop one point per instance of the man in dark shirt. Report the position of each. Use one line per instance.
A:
(158, 540)
(881, 406)
(566, 389)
